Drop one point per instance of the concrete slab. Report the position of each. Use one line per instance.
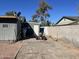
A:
(42, 49)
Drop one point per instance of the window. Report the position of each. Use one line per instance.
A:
(5, 25)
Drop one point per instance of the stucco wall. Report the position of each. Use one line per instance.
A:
(68, 33)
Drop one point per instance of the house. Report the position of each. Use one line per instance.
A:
(10, 28)
(68, 20)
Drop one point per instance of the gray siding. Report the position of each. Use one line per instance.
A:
(8, 31)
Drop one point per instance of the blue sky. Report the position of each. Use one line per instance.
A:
(28, 7)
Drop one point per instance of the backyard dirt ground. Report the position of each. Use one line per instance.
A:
(50, 49)
(9, 51)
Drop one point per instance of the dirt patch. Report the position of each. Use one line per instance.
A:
(9, 51)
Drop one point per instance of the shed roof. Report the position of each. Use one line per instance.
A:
(8, 17)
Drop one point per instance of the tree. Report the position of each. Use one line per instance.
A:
(22, 19)
(34, 18)
(42, 12)
(10, 13)
(13, 13)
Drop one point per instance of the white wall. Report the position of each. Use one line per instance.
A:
(8, 33)
(36, 29)
(68, 33)
(46, 31)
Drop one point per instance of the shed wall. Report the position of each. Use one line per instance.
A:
(8, 31)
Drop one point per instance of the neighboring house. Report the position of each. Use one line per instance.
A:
(68, 20)
(10, 28)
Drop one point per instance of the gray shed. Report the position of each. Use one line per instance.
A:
(10, 28)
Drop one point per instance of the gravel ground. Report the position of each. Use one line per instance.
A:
(39, 49)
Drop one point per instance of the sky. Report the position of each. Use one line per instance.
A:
(28, 7)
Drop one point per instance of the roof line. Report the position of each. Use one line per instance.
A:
(66, 18)
(8, 17)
